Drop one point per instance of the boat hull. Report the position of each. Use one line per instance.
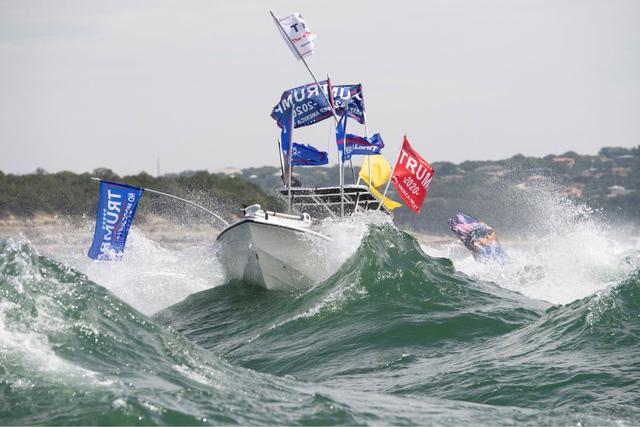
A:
(273, 256)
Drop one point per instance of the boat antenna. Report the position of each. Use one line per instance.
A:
(290, 155)
(218, 217)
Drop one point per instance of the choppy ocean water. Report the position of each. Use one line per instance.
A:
(398, 333)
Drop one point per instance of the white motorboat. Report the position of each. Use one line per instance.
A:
(280, 251)
(284, 251)
(273, 250)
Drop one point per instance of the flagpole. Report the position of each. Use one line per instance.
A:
(341, 186)
(390, 178)
(353, 172)
(366, 134)
(290, 155)
(178, 198)
(341, 160)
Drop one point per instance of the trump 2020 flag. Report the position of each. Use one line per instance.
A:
(300, 38)
(412, 176)
(116, 210)
(359, 145)
(307, 155)
(310, 103)
(349, 98)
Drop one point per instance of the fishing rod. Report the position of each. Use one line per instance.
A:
(218, 217)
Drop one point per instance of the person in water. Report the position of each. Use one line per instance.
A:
(478, 237)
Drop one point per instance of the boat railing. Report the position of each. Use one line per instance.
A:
(328, 201)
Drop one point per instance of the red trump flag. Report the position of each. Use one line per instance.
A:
(412, 176)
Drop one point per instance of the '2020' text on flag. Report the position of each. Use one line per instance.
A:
(311, 106)
(412, 176)
(300, 37)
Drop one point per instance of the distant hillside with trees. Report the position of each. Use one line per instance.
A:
(511, 194)
(68, 193)
(506, 193)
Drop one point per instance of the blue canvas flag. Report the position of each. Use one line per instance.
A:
(306, 155)
(116, 210)
(311, 106)
(286, 133)
(349, 97)
(359, 145)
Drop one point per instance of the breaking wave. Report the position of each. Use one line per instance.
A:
(398, 333)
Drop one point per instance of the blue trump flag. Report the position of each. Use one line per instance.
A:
(351, 99)
(286, 132)
(116, 210)
(311, 106)
(307, 155)
(359, 145)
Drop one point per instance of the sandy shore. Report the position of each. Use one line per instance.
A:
(43, 229)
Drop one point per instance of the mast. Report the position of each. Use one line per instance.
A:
(341, 162)
(341, 187)
(366, 135)
(290, 155)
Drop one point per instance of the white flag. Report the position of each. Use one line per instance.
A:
(298, 32)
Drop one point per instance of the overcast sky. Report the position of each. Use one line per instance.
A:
(86, 84)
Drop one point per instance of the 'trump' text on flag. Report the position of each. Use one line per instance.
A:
(360, 145)
(116, 209)
(412, 176)
(311, 106)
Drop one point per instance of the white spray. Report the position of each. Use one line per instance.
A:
(568, 253)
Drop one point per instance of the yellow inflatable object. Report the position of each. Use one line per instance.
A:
(380, 173)
(380, 170)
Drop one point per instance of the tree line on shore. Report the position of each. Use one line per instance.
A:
(68, 193)
(510, 194)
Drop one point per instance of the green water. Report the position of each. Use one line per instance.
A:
(393, 337)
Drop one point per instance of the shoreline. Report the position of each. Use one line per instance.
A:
(176, 235)
(47, 229)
